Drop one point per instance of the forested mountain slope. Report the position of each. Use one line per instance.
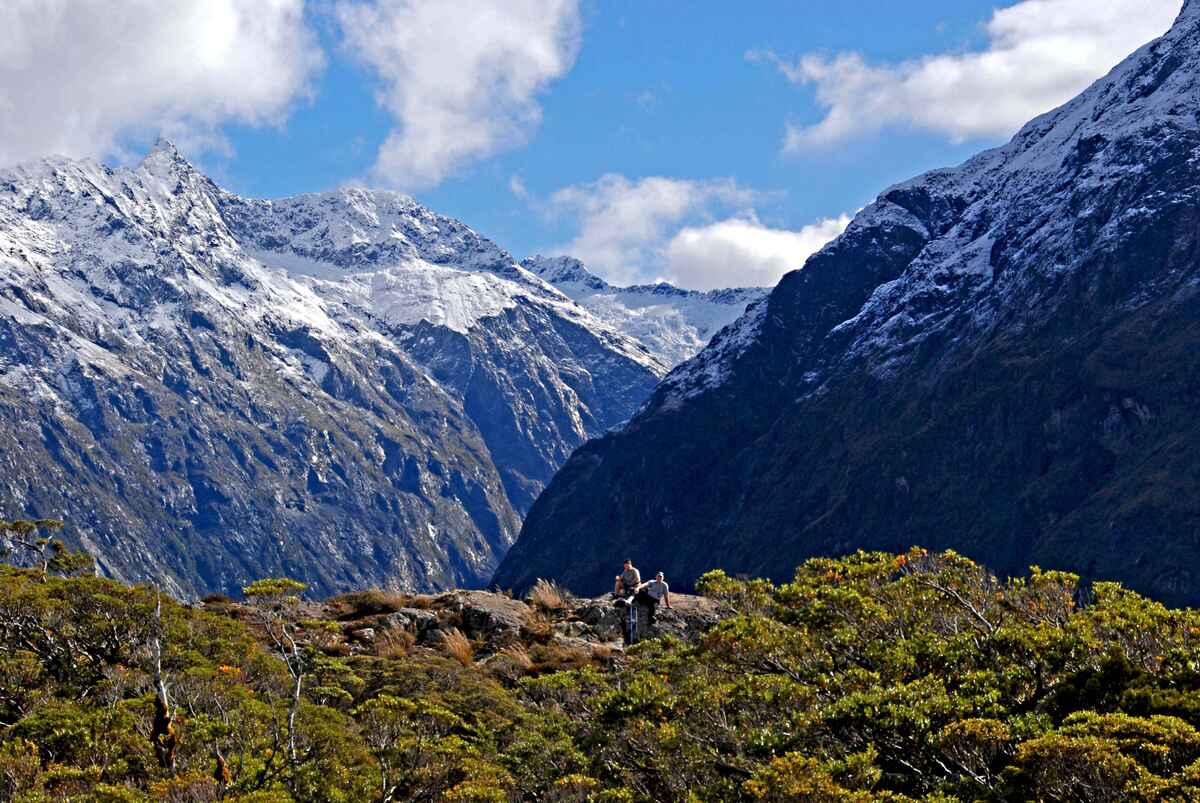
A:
(1002, 357)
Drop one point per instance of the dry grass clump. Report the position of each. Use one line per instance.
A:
(518, 655)
(445, 601)
(458, 646)
(602, 652)
(219, 603)
(537, 627)
(323, 635)
(393, 643)
(358, 604)
(558, 657)
(511, 664)
(547, 595)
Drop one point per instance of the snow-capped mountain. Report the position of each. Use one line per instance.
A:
(671, 322)
(343, 387)
(1001, 357)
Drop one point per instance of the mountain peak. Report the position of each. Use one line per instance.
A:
(164, 146)
(165, 161)
(351, 314)
(562, 269)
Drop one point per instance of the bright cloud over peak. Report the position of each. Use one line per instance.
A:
(461, 79)
(699, 234)
(78, 75)
(743, 252)
(623, 224)
(1040, 53)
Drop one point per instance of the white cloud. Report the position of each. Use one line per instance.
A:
(78, 76)
(743, 252)
(516, 185)
(623, 224)
(1040, 54)
(696, 234)
(460, 78)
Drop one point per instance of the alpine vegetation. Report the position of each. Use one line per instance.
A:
(877, 676)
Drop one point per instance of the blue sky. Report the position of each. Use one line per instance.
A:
(656, 90)
(651, 138)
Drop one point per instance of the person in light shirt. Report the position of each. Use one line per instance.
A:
(652, 593)
(628, 581)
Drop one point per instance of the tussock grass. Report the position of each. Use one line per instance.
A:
(458, 646)
(547, 595)
(518, 655)
(359, 604)
(422, 602)
(601, 652)
(511, 663)
(558, 657)
(394, 643)
(538, 627)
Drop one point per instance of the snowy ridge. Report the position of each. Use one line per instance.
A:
(711, 367)
(238, 373)
(405, 294)
(1026, 190)
(673, 323)
(84, 236)
(376, 254)
(1051, 163)
(382, 256)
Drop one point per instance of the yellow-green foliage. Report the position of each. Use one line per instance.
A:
(274, 588)
(871, 677)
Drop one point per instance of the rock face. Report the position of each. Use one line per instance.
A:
(1002, 358)
(345, 387)
(671, 322)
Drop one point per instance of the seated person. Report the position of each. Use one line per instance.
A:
(627, 581)
(652, 593)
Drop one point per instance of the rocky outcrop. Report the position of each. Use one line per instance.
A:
(999, 358)
(493, 621)
(686, 619)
